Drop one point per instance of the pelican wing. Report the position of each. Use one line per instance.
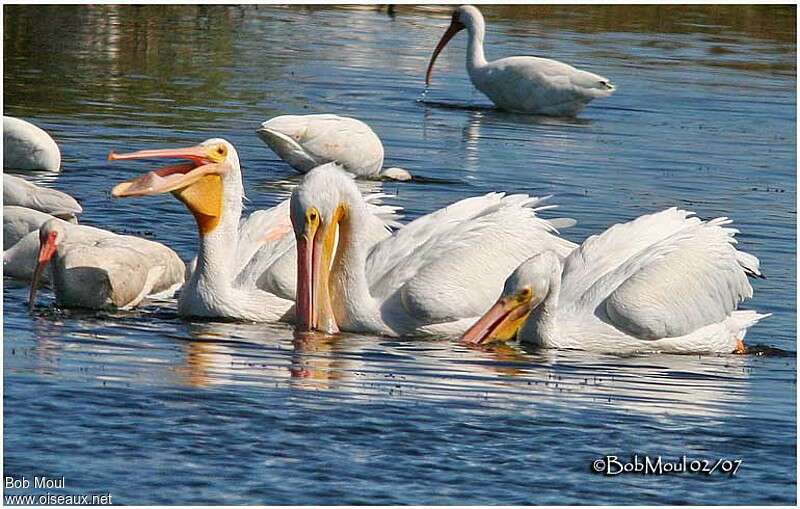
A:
(451, 264)
(267, 254)
(601, 254)
(264, 231)
(690, 279)
(306, 141)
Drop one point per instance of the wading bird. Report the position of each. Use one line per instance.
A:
(19, 192)
(522, 84)
(97, 269)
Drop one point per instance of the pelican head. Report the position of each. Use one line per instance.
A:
(51, 235)
(524, 290)
(466, 16)
(319, 206)
(199, 183)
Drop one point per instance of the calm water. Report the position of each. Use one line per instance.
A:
(155, 409)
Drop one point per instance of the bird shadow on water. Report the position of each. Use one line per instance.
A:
(485, 112)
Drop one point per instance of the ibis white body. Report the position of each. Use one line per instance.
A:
(522, 84)
(97, 269)
(18, 191)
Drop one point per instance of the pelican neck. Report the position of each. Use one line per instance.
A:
(354, 302)
(216, 254)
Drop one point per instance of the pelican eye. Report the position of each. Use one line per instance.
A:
(525, 294)
(222, 150)
(312, 216)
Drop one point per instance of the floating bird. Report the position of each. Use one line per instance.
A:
(18, 191)
(27, 147)
(97, 269)
(19, 260)
(20, 221)
(521, 84)
(21, 241)
(308, 141)
(434, 275)
(210, 185)
(274, 266)
(664, 282)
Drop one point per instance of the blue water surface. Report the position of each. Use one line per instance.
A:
(154, 409)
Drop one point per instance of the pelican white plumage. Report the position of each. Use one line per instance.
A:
(433, 275)
(98, 269)
(18, 191)
(308, 141)
(521, 84)
(665, 282)
(210, 185)
(28, 147)
(273, 266)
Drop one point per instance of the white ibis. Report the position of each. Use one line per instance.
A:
(18, 191)
(521, 84)
(20, 221)
(434, 275)
(96, 269)
(308, 141)
(665, 282)
(27, 147)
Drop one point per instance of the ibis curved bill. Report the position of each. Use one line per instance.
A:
(521, 84)
(435, 275)
(665, 282)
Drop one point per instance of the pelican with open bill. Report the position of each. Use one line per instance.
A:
(197, 183)
(209, 183)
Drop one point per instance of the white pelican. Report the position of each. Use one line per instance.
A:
(521, 84)
(664, 282)
(308, 141)
(97, 269)
(20, 192)
(428, 277)
(210, 185)
(27, 147)
(273, 267)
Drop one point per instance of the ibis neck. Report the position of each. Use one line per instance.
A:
(475, 57)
